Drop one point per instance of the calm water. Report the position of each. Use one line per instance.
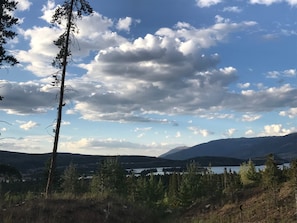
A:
(215, 169)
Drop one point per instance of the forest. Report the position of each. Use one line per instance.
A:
(188, 196)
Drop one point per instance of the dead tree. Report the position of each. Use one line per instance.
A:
(69, 12)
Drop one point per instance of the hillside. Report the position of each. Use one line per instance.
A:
(251, 206)
(36, 162)
(285, 147)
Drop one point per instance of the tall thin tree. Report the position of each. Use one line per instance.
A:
(68, 12)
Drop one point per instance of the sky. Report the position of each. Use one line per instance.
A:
(147, 76)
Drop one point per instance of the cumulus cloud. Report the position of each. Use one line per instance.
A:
(124, 24)
(229, 132)
(249, 132)
(284, 73)
(23, 5)
(243, 85)
(276, 130)
(198, 131)
(266, 99)
(26, 98)
(94, 34)
(207, 3)
(166, 72)
(28, 125)
(291, 113)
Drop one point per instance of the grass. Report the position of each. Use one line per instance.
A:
(74, 210)
(252, 205)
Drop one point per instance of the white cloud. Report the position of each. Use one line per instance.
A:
(277, 74)
(235, 9)
(23, 5)
(48, 11)
(244, 85)
(291, 113)
(265, 2)
(230, 132)
(94, 34)
(178, 134)
(207, 3)
(28, 125)
(269, 2)
(112, 146)
(290, 72)
(198, 131)
(250, 117)
(124, 24)
(276, 130)
(249, 132)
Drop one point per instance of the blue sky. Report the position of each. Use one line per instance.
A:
(148, 76)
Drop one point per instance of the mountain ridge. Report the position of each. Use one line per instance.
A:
(284, 147)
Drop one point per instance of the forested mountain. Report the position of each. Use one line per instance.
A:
(284, 147)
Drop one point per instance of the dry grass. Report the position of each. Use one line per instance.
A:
(77, 211)
(253, 207)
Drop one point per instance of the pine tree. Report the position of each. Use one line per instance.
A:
(293, 179)
(113, 177)
(7, 21)
(190, 185)
(271, 177)
(70, 180)
(69, 11)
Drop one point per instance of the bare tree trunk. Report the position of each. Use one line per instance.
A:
(296, 203)
(52, 167)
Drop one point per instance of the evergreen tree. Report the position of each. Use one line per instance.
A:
(190, 185)
(172, 193)
(7, 21)
(271, 177)
(113, 177)
(68, 12)
(293, 179)
(70, 180)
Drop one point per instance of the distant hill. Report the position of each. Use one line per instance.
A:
(284, 147)
(175, 150)
(86, 163)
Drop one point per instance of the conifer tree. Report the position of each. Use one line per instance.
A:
(293, 179)
(271, 177)
(68, 13)
(248, 173)
(70, 180)
(189, 188)
(113, 177)
(7, 21)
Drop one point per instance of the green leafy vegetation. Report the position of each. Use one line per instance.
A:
(113, 195)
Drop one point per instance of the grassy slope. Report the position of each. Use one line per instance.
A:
(255, 207)
(254, 203)
(77, 211)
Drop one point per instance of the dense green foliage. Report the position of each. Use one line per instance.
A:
(7, 21)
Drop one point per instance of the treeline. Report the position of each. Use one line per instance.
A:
(168, 191)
